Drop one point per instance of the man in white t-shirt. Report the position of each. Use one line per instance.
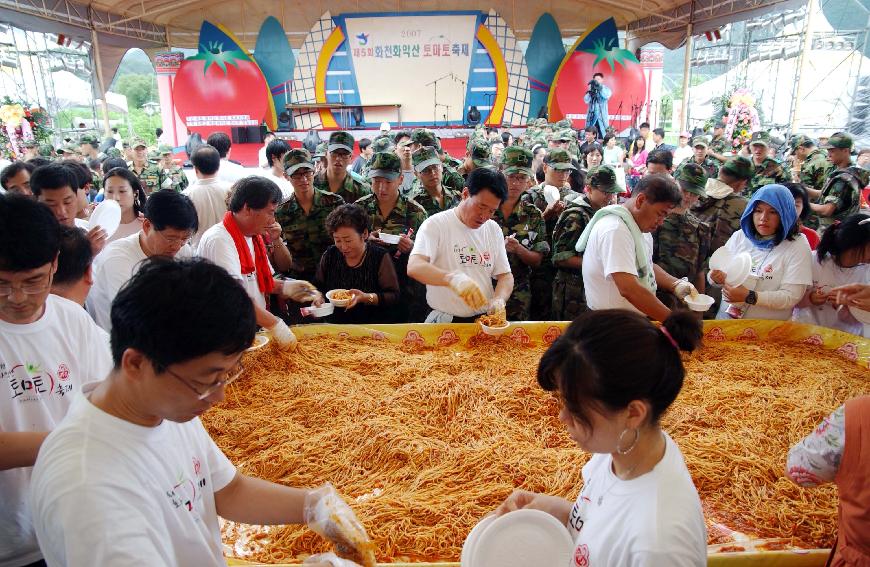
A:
(48, 348)
(131, 477)
(617, 248)
(237, 245)
(262, 160)
(460, 251)
(74, 276)
(275, 152)
(170, 221)
(208, 193)
(229, 172)
(57, 187)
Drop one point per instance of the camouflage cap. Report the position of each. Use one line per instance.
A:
(320, 150)
(424, 137)
(45, 150)
(839, 140)
(113, 153)
(800, 140)
(539, 122)
(88, 139)
(404, 142)
(424, 157)
(69, 149)
(740, 167)
(480, 151)
(340, 140)
(137, 143)
(559, 159)
(164, 149)
(699, 141)
(517, 159)
(603, 178)
(692, 178)
(760, 138)
(563, 135)
(564, 124)
(385, 164)
(382, 144)
(297, 158)
(153, 156)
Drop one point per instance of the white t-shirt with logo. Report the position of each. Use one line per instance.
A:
(217, 246)
(610, 250)
(789, 262)
(827, 276)
(649, 521)
(110, 492)
(42, 365)
(111, 270)
(449, 244)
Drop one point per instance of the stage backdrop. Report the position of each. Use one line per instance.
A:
(377, 61)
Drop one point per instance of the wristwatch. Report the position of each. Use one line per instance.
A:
(751, 298)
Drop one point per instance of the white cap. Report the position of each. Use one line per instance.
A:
(385, 126)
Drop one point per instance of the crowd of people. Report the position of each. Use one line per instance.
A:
(549, 226)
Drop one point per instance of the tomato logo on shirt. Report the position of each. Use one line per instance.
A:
(196, 466)
(63, 372)
(581, 555)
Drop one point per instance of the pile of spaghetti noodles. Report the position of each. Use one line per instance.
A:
(424, 442)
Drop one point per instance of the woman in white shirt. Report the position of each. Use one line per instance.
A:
(122, 185)
(614, 156)
(638, 505)
(841, 259)
(781, 259)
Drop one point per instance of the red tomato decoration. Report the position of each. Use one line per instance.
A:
(215, 82)
(622, 72)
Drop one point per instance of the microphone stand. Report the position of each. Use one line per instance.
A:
(435, 97)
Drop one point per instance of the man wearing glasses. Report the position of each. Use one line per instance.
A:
(131, 477)
(170, 222)
(49, 347)
(336, 178)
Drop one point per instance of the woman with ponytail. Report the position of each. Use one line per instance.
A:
(638, 505)
(842, 258)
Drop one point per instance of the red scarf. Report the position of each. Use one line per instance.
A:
(260, 261)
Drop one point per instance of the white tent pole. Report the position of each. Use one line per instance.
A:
(805, 55)
(98, 63)
(684, 108)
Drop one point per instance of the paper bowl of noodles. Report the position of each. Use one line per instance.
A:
(339, 297)
(493, 325)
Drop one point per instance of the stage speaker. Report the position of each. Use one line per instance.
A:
(542, 112)
(473, 116)
(285, 121)
(247, 134)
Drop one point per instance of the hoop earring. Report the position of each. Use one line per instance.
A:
(633, 443)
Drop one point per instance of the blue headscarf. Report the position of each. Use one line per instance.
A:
(781, 199)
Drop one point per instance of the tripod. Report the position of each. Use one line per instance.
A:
(435, 103)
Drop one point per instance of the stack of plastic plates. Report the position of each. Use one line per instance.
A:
(736, 266)
(519, 539)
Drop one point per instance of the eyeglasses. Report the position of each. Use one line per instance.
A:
(174, 240)
(229, 376)
(340, 154)
(302, 174)
(27, 289)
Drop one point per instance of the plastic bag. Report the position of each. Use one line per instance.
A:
(330, 516)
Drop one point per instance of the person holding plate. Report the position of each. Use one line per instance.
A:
(781, 259)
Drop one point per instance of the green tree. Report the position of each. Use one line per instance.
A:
(138, 89)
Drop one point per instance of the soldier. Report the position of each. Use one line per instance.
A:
(428, 189)
(174, 177)
(559, 140)
(523, 229)
(380, 144)
(31, 150)
(335, 178)
(319, 158)
(302, 217)
(88, 146)
(813, 172)
(478, 152)
(150, 175)
(393, 214)
(841, 195)
(701, 157)
(450, 177)
(767, 169)
(723, 204)
(569, 300)
(719, 145)
(681, 246)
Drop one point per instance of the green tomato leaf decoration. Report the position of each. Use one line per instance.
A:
(609, 50)
(214, 54)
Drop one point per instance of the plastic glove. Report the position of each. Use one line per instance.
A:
(330, 559)
(282, 335)
(684, 288)
(328, 515)
(299, 290)
(467, 289)
(497, 308)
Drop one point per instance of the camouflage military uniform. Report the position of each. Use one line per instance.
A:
(151, 177)
(770, 171)
(722, 216)
(719, 145)
(305, 234)
(843, 189)
(527, 226)
(569, 297)
(422, 197)
(178, 178)
(681, 247)
(453, 163)
(709, 165)
(815, 170)
(351, 190)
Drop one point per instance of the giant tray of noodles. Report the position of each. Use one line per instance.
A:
(424, 429)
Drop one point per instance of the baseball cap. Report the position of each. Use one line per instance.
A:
(138, 142)
(760, 138)
(424, 157)
(340, 140)
(799, 140)
(687, 135)
(603, 178)
(382, 144)
(559, 159)
(424, 137)
(740, 167)
(164, 149)
(320, 150)
(517, 159)
(297, 158)
(480, 151)
(839, 140)
(385, 164)
(692, 178)
(699, 141)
